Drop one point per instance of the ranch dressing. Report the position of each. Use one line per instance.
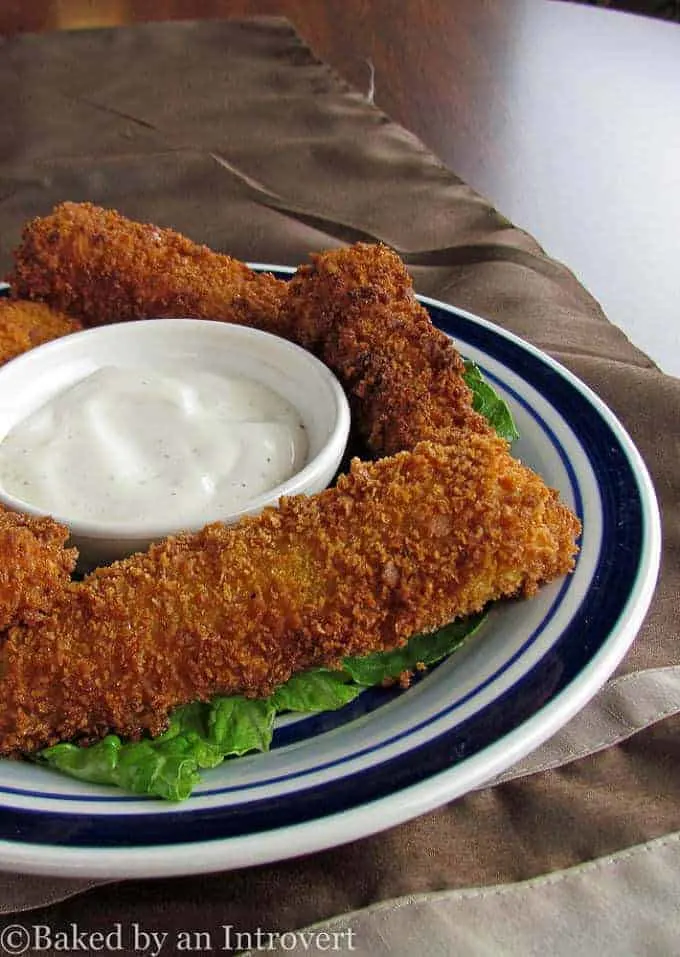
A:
(131, 445)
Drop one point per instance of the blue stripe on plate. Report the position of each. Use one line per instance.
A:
(614, 577)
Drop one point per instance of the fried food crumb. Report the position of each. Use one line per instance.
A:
(356, 309)
(25, 325)
(101, 267)
(35, 566)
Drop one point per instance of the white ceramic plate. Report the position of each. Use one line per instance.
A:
(392, 755)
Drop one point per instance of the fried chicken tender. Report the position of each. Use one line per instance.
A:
(356, 309)
(100, 267)
(24, 325)
(399, 546)
(34, 566)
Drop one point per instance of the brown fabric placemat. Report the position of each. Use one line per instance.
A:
(234, 133)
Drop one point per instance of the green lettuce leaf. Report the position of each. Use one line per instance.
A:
(200, 735)
(237, 725)
(97, 763)
(317, 690)
(488, 403)
(421, 650)
(161, 768)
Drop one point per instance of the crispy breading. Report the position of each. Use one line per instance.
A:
(24, 325)
(100, 267)
(356, 309)
(34, 566)
(399, 546)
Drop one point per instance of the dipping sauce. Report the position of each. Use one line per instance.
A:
(130, 445)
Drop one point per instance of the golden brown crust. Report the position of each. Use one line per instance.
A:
(400, 546)
(355, 308)
(97, 265)
(24, 325)
(34, 566)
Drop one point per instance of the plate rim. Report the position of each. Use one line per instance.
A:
(370, 817)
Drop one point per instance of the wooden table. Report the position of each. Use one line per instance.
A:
(567, 117)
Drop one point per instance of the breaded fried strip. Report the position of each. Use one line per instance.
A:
(24, 325)
(34, 566)
(99, 266)
(398, 547)
(355, 308)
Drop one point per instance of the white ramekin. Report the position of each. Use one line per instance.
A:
(31, 380)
